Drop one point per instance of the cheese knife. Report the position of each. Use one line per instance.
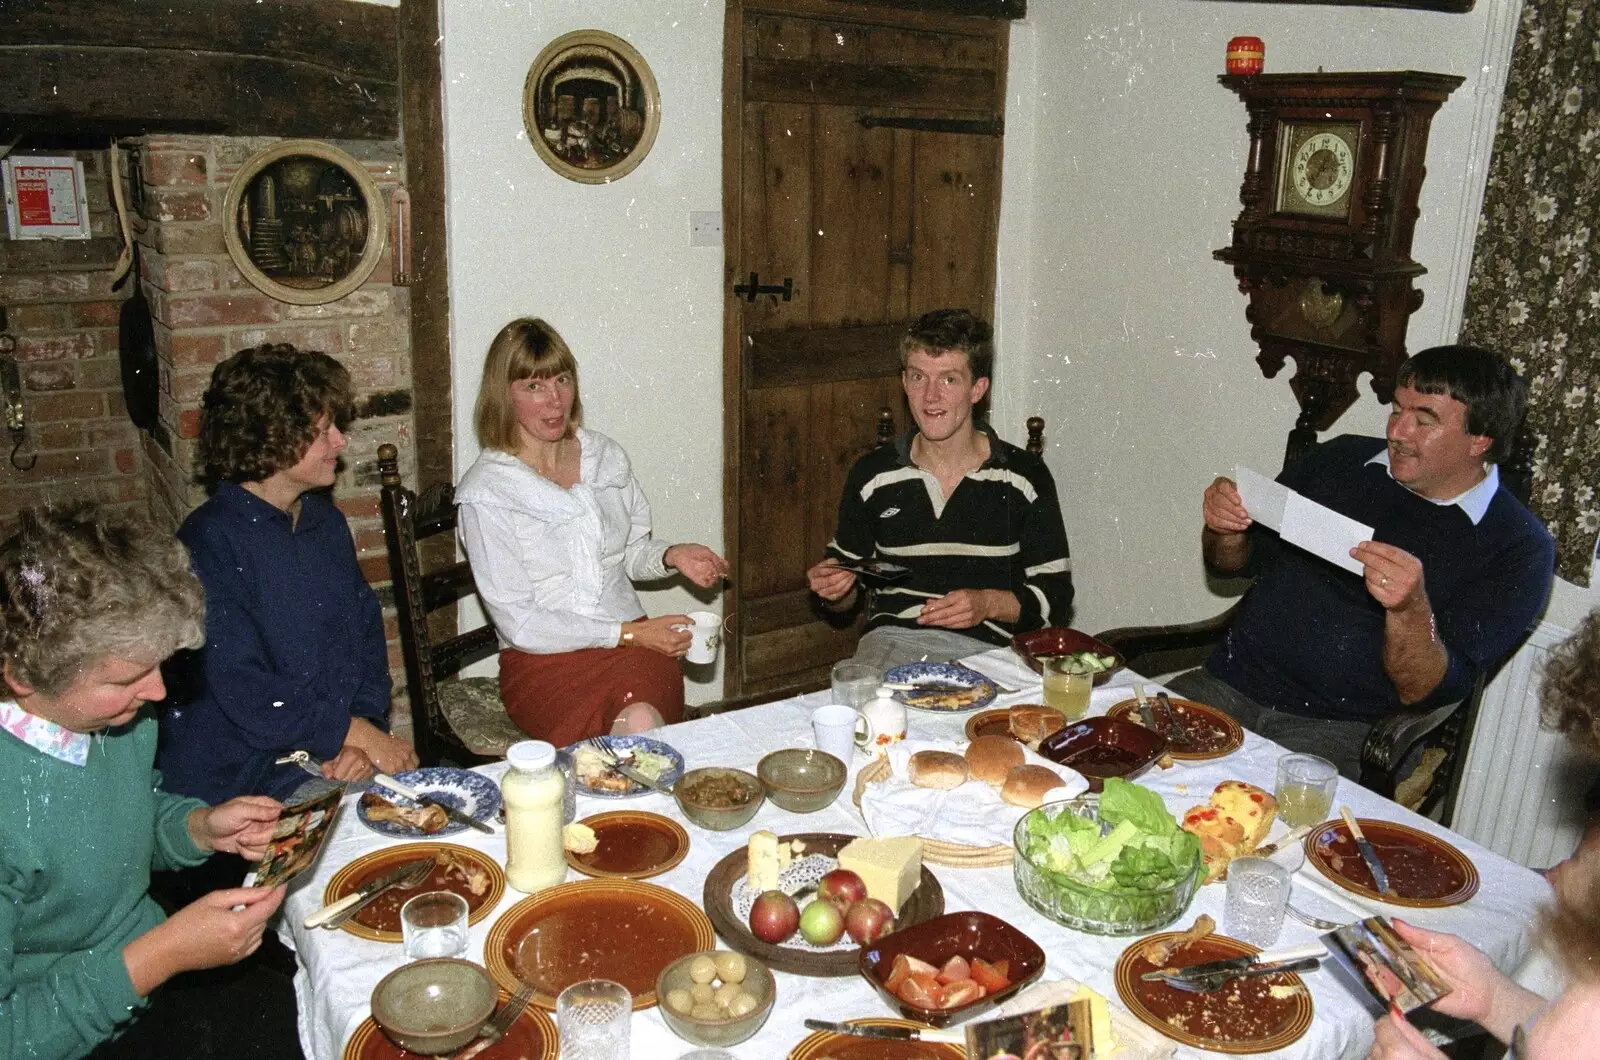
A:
(1369, 855)
(899, 1034)
(428, 800)
(1293, 836)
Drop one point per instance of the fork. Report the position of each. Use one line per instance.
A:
(496, 1028)
(598, 745)
(1312, 921)
(411, 879)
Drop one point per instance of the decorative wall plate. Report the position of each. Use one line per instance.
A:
(304, 222)
(591, 106)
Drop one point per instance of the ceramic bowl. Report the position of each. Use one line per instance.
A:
(1102, 747)
(433, 1006)
(968, 935)
(1035, 646)
(758, 982)
(717, 818)
(800, 779)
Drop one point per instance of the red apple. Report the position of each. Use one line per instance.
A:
(773, 917)
(841, 887)
(869, 920)
(821, 923)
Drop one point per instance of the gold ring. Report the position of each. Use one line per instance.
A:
(1383, 580)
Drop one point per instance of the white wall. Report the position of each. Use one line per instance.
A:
(608, 265)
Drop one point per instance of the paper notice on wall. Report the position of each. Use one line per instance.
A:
(1300, 521)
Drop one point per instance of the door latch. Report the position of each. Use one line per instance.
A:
(749, 291)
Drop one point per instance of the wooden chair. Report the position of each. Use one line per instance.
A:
(453, 719)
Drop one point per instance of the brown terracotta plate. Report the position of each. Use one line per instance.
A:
(825, 1045)
(622, 930)
(924, 903)
(380, 921)
(531, 1037)
(631, 845)
(1424, 871)
(995, 722)
(1215, 734)
(1242, 1017)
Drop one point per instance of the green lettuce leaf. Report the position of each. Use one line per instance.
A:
(1123, 800)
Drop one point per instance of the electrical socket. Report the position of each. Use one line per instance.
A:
(705, 228)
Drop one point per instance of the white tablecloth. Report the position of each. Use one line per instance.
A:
(338, 970)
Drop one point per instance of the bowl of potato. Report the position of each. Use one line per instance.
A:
(715, 997)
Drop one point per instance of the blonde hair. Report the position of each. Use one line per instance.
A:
(526, 348)
(79, 585)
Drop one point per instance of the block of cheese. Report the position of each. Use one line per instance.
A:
(765, 858)
(891, 868)
(1103, 1042)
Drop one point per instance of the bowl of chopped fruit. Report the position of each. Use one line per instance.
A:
(719, 799)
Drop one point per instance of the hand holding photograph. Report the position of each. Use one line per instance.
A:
(1383, 967)
(301, 830)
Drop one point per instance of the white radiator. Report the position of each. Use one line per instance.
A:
(1522, 793)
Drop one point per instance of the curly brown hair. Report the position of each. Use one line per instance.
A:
(261, 411)
(78, 585)
(1571, 695)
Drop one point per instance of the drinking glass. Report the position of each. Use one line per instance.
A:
(1258, 893)
(593, 1018)
(854, 684)
(1305, 789)
(1067, 683)
(434, 924)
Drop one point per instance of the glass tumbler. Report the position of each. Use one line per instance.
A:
(434, 924)
(1067, 684)
(1305, 789)
(594, 1017)
(1258, 892)
(854, 685)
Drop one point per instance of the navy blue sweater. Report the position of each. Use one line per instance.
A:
(294, 648)
(1309, 637)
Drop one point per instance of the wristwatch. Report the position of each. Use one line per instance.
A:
(627, 639)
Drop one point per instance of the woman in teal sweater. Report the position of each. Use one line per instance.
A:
(90, 605)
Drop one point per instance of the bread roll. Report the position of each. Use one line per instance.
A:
(1028, 785)
(1031, 724)
(990, 758)
(937, 769)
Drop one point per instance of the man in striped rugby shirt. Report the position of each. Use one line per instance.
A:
(975, 519)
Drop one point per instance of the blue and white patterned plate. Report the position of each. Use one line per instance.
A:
(979, 691)
(460, 789)
(622, 746)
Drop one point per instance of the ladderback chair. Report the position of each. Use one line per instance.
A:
(455, 719)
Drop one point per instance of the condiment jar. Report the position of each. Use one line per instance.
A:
(887, 717)
(533, 790)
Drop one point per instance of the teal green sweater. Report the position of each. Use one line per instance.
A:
(77, 844)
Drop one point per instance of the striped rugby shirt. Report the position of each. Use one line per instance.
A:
(1000, 528)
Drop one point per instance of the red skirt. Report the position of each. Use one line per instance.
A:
(568, 696)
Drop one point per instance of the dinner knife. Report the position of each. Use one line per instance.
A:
(1380, 877)
(899, 1034)
(1214, 981)
(428, 800)
(1234, 965)
(1293, 836)
(639, 778)
(366, 891)
(1177, 727)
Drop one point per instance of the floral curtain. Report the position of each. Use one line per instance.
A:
(1534, 292)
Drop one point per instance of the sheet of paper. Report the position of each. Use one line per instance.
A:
(1263, 498)
(1322, 531)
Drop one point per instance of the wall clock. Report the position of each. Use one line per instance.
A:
(1322, 246)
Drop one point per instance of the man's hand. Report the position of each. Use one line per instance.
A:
(351, 763)
(697, 563)
(239, 826)
(829, 582)
(1393, 575)
(387, 752)
(1223, 508)
(966, 608)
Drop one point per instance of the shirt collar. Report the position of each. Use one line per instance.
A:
(1475, 501)
(248, 506)
(997, 455)
(43, 735)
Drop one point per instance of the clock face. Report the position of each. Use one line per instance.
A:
(1316, 169)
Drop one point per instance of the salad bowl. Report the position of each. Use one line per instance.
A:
(1037, 645)
(1112, 864)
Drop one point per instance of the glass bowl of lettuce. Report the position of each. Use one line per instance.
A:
(1112, 864)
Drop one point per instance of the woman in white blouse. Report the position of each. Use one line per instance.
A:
(557, 530)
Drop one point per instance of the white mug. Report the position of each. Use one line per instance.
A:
(838, 729)
(705, 636)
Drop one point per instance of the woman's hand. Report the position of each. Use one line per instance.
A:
(388, 753)
(239, 826)
(1478, 991)
(697, 563)
(206, 933)
(657, 634)
(1399, 1040)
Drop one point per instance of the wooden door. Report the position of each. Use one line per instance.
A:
(862, 173)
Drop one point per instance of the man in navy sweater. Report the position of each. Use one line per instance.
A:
(1457, 571)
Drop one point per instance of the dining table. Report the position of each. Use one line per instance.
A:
(338, 970)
